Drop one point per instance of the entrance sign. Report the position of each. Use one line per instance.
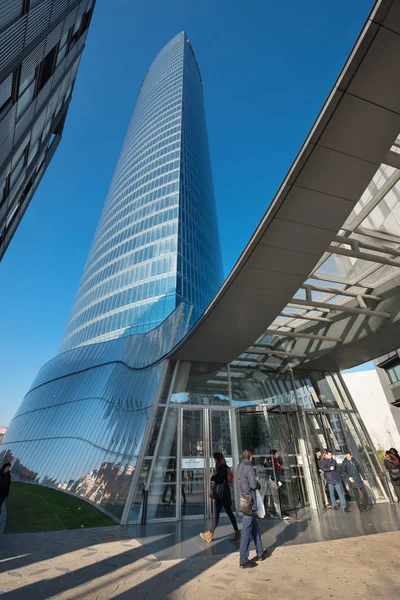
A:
(193, 462)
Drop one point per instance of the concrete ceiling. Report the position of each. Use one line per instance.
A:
(349, 140)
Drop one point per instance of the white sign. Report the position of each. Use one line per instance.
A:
(197, 462)
(193, 462)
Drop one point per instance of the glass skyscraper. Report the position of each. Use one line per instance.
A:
(157, 242)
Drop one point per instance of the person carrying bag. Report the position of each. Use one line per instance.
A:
(220, 493)
(248, 485)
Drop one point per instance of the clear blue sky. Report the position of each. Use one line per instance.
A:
(267, 68)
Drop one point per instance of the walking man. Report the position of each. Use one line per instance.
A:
(248, 484)
(351, 469)
(330, 468)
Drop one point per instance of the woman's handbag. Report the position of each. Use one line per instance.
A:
(245, 500)
(216, 490)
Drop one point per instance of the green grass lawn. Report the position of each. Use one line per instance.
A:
(33, 508)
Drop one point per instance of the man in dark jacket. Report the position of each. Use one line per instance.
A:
(248, 484)
(354, 475)
(5, 480)
(330, 468)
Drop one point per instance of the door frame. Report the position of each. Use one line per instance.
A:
(305, 483)
(207, 457)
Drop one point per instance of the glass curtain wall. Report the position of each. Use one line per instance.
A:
(227, 408)
(157, 242)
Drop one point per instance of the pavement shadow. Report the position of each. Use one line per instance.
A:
(23, 549)
(289, 533)
(177, 575)
(164, 582)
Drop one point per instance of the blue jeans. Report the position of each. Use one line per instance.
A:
(338, 488)
(250, 529)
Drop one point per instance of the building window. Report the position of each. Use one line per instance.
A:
(46, 69)
(85, 22)
(63, 48)
(32, 153)
(12, 215)
(25, 7)
(25, 99)
(79, 28)
(4, 190)
(394, 373)
(6, 89)
(18, 168)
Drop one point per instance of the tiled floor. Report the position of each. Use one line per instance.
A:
(171, 562)
(168, 541)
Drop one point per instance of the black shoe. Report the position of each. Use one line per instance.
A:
(335, 507)
(263, 556)
(249, 564)
(347, 509)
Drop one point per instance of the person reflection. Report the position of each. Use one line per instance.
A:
(170, 478)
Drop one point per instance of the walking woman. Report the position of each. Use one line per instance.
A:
(221, 477)
(392, 464)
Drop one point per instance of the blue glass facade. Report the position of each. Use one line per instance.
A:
(157, 241)
(80, 428)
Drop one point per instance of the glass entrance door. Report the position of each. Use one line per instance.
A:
(193, 462)
(338, 431)
(286, 435)
(263, 429)
(203, 432)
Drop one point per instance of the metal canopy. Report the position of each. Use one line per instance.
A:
(335, 219)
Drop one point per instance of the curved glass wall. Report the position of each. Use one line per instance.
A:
(81, 426)
(157, 241)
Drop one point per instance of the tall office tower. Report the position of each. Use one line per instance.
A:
(157, 242)
(41, 44)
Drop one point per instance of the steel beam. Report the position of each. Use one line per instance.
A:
(305, 317)
(269, 352)
(356, 244)
(338, 292)
(294, 303)
(374, 258)
(371, 233)
(306, 336)
(344, 308)
(368, 208)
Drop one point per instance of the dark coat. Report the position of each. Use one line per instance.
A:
(5, 480)
(351, 468)
(247, 481)
(332, 476)
(393, 470)
(221, 476)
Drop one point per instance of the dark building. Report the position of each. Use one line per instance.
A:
(41, 44)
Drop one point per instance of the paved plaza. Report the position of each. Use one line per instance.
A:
(110, 563)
